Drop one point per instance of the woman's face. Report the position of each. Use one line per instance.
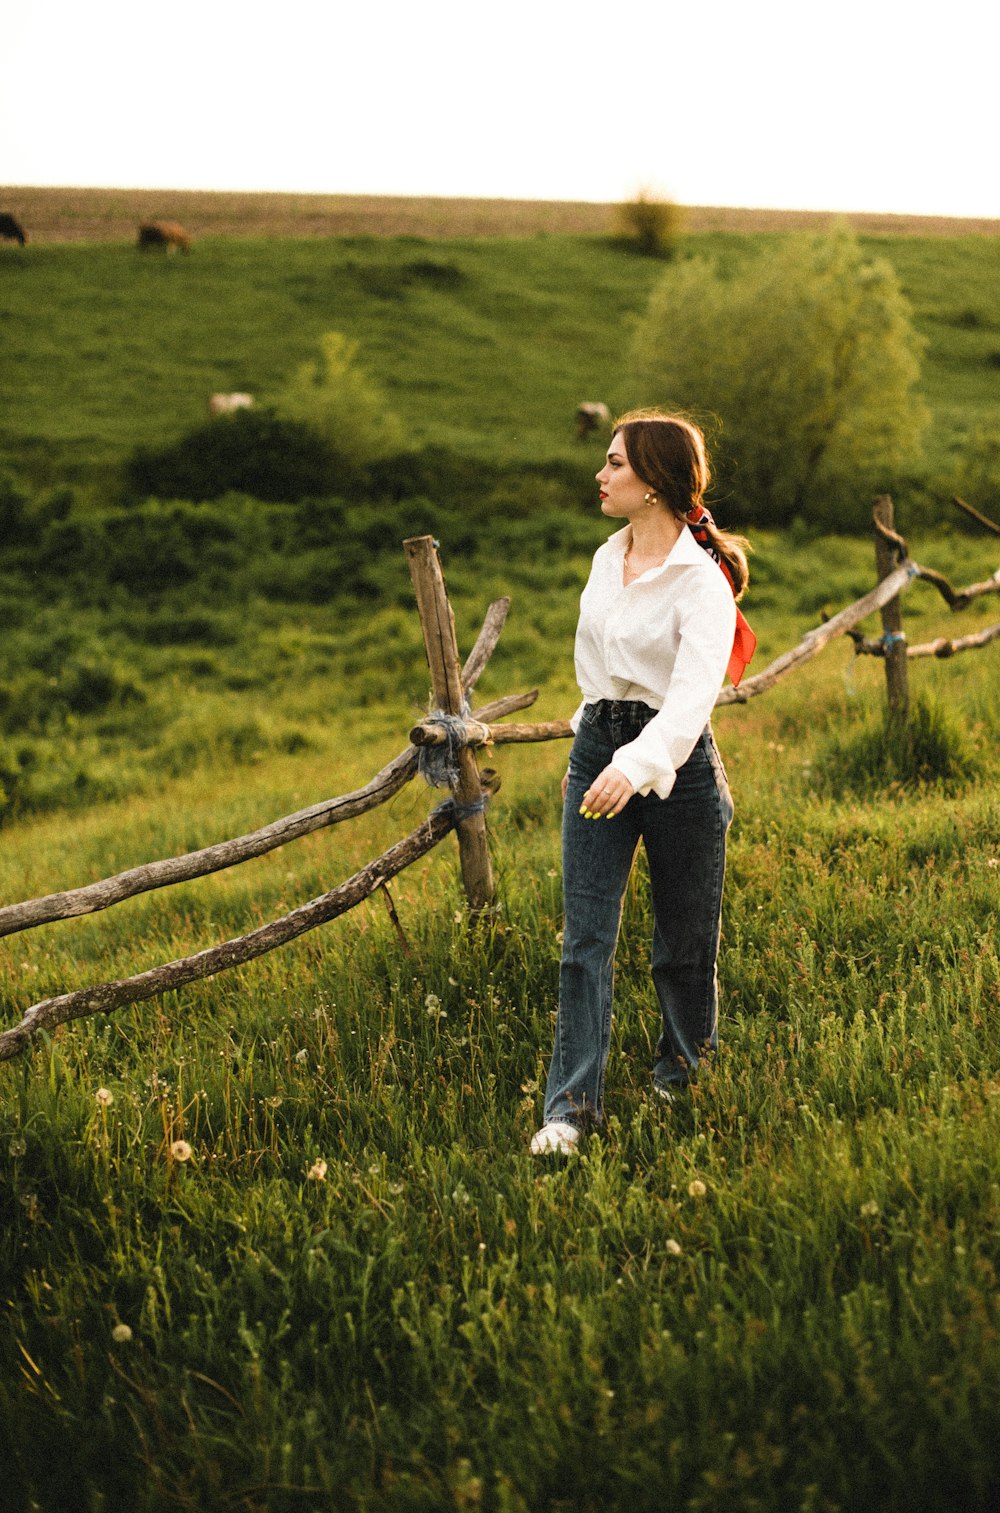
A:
(623, 493)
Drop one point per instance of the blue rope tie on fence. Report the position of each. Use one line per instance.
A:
(438, 765)
(891, 638)
(462, 811)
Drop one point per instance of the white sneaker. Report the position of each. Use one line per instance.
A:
(555, 1139)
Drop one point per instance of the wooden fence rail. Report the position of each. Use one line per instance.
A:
(463, 731)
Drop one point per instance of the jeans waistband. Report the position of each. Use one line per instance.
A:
(627, 707)
(621, 719)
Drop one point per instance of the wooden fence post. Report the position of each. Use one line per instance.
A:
(438, 625)
(893, 637)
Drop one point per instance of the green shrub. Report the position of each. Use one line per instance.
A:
(161, 546)
(256, 452)
(334, 397)
(931, 747)
(809, 360)
(649, 225)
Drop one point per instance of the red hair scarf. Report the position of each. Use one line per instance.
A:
(744, 641)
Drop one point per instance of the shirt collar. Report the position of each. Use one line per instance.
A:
(685, 551)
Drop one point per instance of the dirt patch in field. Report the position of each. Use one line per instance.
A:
(113, 215)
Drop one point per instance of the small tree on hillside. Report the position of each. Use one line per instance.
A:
(808, 358)
(335, 397)
(649, 224)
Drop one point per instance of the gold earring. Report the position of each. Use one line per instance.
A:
(649, 497)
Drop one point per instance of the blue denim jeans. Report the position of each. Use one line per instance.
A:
(685, 840)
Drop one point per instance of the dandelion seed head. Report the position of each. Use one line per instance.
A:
(869, 1210)
(300, 1056)
(697, 1188)
(181, 1151)
(105, 1097)
(317, 1172)
(121, 1334)
(672, 1248)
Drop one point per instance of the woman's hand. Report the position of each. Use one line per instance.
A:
(607, 795)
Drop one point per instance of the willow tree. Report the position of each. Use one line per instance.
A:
(805, 365)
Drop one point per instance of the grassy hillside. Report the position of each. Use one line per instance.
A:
(487, 344)
(274, 1242)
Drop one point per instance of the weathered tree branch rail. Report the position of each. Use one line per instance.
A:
(50, 1012)
(959, 598)
(983, 520)
(92, 897)
(943, 646)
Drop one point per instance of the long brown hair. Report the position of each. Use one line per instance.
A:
(668, 453)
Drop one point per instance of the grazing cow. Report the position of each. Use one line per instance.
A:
(167, 236)
(591, 416)
(11, 229)
(226, 404)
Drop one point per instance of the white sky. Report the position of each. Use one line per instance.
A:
(884, 105)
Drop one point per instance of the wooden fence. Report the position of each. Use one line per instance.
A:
(446, 740)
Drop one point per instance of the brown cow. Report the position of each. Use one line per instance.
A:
(167, 236)
(11, 229)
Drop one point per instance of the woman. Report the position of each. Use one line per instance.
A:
(658, 631)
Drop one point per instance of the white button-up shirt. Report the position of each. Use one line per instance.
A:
(663, 640)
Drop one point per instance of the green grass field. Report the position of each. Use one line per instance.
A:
(349, 1287)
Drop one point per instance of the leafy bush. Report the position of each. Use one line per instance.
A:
(809, 359)
(336, 400)
(257, 452)
(650, 225)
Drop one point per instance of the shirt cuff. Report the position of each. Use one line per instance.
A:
(644, 780)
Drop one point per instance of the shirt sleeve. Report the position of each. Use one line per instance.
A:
(704, 642)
